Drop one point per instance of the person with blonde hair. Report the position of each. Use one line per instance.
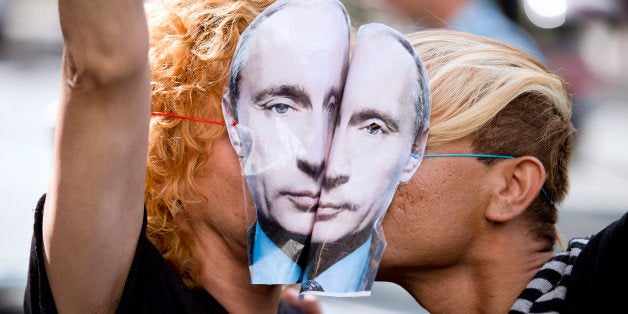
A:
(120, 231)
(475, 228)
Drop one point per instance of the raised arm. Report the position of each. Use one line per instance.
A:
(94, 207)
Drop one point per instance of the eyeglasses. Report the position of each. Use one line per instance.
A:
(544, 193)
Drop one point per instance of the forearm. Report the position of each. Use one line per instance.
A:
(93, 211)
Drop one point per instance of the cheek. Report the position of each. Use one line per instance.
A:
(427, 223)
(360, 219)
(222, 172)
(379, 164)
(407, 217)
(276, 142)
(221, 183)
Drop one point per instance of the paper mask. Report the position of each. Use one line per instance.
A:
(323, 145)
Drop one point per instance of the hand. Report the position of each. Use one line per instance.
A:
(309, 304)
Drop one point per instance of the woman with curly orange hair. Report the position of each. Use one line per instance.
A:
(191, 252)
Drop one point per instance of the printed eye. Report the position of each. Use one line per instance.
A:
(280, 108)
(374, 129)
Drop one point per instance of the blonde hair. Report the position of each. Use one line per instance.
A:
(191, 46)
(506, 101)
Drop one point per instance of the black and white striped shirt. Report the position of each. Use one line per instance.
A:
(547, 291)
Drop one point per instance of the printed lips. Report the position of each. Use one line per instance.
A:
(303, 200)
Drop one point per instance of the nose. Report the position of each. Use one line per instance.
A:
(312, 161)
(311, 168)
(338, 169)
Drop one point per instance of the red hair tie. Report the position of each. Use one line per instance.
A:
(172, 115)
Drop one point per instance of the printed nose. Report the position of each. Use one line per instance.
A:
(338, 169)
(311, 168)
(312, 162)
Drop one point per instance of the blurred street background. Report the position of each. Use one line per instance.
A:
(583, 41)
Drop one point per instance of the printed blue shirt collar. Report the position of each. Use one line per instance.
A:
(270, 264)
(348, 274)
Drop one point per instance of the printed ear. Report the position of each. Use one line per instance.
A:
(239, 138)
(414, 161)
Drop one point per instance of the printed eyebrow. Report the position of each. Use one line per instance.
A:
(293, 92)
(366, 114)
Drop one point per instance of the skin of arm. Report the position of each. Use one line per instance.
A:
(94, 206)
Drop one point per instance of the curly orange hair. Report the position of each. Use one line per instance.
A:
(191, 47)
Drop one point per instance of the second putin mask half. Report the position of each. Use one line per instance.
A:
(378, 142)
